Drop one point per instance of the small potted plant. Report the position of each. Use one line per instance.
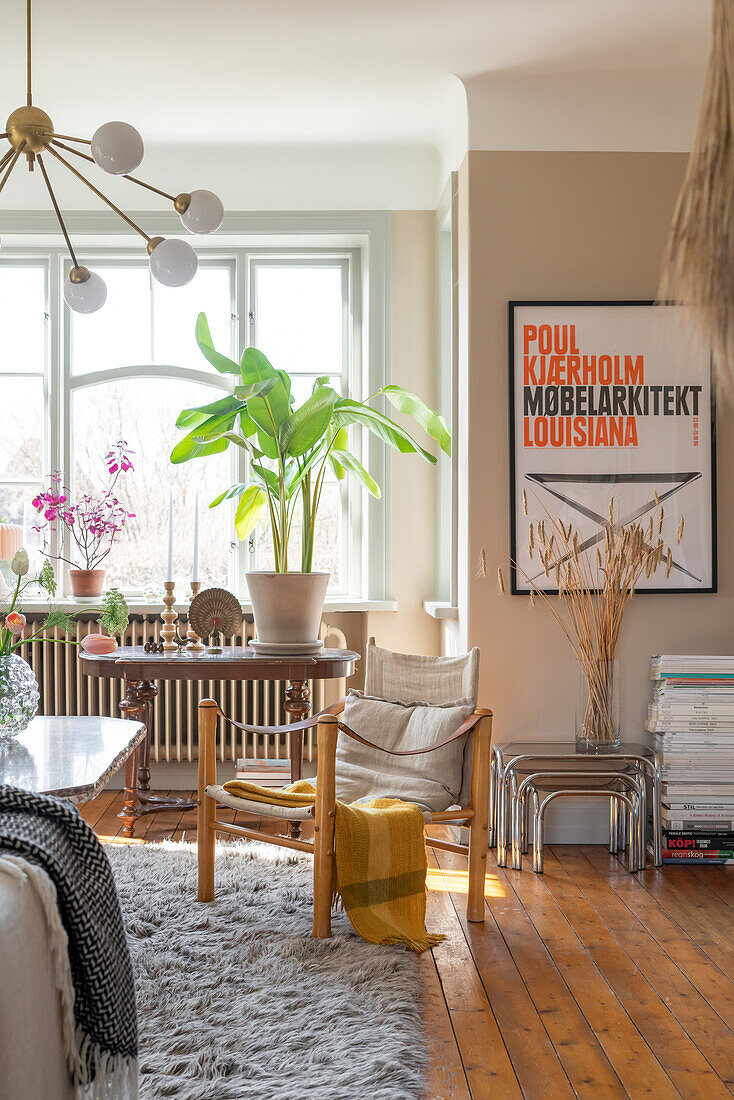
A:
(113, 618)
(88, 528)
(289, 451)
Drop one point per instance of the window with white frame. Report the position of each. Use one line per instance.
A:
(126, 372)
(24, 434)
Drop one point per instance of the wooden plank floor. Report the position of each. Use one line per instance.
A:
(585, 981)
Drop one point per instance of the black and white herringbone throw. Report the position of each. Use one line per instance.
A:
(47, 832)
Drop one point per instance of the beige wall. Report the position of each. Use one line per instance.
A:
(558, 225)
(413, 365)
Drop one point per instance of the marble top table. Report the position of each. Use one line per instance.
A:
(72, 758)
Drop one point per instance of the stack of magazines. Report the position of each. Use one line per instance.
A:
(264, 772)
(691, 719)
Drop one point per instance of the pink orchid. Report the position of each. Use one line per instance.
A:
(93, 523)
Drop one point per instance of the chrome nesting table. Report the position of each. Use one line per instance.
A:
(559, 766)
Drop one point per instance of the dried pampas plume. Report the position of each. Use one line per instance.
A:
(482, 568)
(698, 265)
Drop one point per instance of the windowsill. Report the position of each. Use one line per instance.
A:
(139, 607)
(440, 609)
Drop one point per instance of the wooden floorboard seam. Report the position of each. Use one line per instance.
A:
(617, 1005)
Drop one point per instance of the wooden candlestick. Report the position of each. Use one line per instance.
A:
(194, 644)
(169, 616)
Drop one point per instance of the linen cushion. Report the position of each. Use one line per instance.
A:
(433, 681)
(431, 780)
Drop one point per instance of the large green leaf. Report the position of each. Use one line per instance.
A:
(249, 510)
(248, 427)
(308, 424)
(431, 422)
(204, 340)
(355, 467)
(267, 444)
(231, 437)
(188, 448)
(348, 412)
(214, 427)
(268, 477)
(233, 491)
(191, 418)
(337, 468)
(271, 408)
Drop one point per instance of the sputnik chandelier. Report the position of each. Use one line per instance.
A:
(117, 148)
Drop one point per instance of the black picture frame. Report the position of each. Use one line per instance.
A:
(515, 588)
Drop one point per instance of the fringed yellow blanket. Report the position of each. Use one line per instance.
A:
(380, 872)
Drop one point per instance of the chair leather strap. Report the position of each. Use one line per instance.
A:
(292, 727)
(464, 728)
(336, 709)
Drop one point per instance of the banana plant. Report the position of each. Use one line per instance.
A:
(291, 449)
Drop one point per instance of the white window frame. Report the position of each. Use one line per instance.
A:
(447, 481)
(361, 240)
(49, 430)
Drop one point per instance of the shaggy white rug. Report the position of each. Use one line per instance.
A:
(237, 1002)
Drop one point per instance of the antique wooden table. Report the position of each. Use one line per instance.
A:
(141, 670)
(71, 758)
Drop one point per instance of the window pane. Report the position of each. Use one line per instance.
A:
(118, 335)
(22, 318)
(143, 412)
(22, 429)
(299, 318)
(176, 310)
(17, 520)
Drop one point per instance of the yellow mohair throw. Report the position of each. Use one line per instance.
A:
(380, 872)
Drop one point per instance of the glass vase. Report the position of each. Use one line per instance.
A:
(598, 726)
(19, 695)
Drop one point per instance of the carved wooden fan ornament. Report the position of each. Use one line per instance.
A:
(214, 614)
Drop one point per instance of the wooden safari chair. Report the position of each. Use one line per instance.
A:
(415, 733)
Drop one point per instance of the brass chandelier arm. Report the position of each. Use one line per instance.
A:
(68, 149)
(6, 158)
(150, 187)
(99, 194)
(133, 179)
(68, 137)
(11, 166)
(55, 205)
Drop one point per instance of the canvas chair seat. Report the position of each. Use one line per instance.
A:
(268, 809)
(260, 809)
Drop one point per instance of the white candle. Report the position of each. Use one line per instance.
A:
(195, 570)
(169, 572)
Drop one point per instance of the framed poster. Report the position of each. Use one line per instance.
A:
(608, 400)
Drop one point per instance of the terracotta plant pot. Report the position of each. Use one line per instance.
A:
(87, 582)
(287, 609)
(99, 644)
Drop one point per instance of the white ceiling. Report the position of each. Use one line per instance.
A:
(341, 73)
(289, 71)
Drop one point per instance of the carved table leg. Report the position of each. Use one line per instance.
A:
(297, 705)
(128, 814)
(138, 705)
